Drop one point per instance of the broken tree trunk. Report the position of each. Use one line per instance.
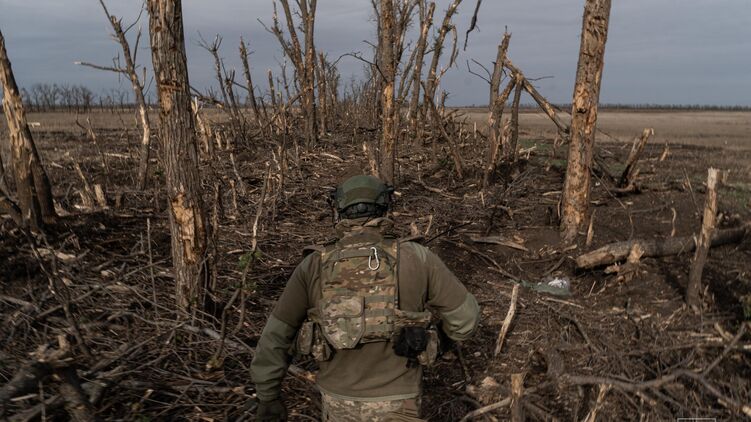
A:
(187, 217)
(33, 189)
(431, 84)
(426, 21)
(576, 188)
(693, 291)
(249, 84)
(510, 153)
(387, 65)
(633, 158)
(618, 251)
(323, 109)
(496, 103)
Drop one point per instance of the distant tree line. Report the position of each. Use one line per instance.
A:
(637, 107)
(75, 98)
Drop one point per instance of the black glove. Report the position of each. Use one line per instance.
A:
(271, 411)
(445, 344)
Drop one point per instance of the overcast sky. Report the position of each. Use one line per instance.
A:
(658, 51)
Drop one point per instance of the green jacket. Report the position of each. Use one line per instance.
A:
(371, 371)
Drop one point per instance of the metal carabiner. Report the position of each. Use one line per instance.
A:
(370, 257)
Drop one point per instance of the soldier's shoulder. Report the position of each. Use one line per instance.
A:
(410, 247)
(317, 248)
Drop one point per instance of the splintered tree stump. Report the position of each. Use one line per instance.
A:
(33, 189)
(656, 247)
(629, 173)
(693, 291)
(517, 391)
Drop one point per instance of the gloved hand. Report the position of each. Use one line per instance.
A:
(445, 344)
(271, 411)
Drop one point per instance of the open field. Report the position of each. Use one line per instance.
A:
(724, 129)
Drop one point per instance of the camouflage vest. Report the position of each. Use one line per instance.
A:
(360, 292)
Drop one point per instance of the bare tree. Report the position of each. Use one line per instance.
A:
(387, 66)
(496, 103)
(433, 74)
(33, 190)
(303, 57)
(249, 83)
(576, 188)
(426, 21)
(188, 223)
(130, 71)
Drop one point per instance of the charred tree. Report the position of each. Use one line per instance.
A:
(130, 71)
(188, 224)
(33, 189)
(576, 188)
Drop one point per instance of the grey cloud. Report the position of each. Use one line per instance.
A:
(661, 51)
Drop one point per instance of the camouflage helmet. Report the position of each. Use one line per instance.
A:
(367, 190)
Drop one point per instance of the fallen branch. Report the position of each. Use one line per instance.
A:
(656, 247)
(237, 345)
(497, 405)
(507, 320)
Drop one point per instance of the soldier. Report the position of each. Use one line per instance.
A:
(361, 307)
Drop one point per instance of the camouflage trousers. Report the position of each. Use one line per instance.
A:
(339, 410)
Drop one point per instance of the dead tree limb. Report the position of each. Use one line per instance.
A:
(500, 404)
(244, 58)
(510, 153)
(458, 166)
(633, 157)
(431, 84)
(637, 387)
(657, 247)
(426, 21)
(539, 99)
(507, 320)
(496, 103)
(9, 207)
(472, 23)
(693, 291)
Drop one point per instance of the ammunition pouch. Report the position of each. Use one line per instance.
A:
(310, 341)
(418, 344)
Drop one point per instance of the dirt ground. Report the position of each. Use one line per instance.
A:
(625, 348)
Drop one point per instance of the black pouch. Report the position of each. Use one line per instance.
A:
(410, 342)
